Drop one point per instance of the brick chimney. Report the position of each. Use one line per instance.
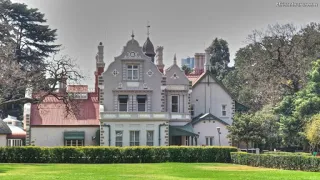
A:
(159, 58)
(99, 66)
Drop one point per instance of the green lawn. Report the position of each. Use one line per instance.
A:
(172, 171)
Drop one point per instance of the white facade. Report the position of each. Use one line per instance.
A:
(54, 136)
(124, 128)
(209, 97)
(3, 140)
(208, 129)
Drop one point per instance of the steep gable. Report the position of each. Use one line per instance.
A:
(204, 77)
(176, 76)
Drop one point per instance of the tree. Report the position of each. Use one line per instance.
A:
(270, 126)
(296, 110)
(31, 42)
(220, 58)
(312, 132)
(44, 82)
(274, 63)
(25, 28)
(186, 69)
(245, 128)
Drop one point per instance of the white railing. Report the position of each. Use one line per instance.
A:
(111, 115)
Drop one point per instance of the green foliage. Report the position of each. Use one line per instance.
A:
(296, 110)
(33, 38)
(245, 128)
(312, 132)
(279, 161)
(186, 69)
(220, 58)
(274, 64)
(114, 154)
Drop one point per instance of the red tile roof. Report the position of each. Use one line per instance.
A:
(195, 77)
(77, 88)
(52, 112)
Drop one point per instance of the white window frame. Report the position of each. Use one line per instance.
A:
(14, 142)
(150, 143)
(74, 142)
(224, 110)
(209, 140)
(176, 103)
(136, 140)
(130, 70)
(118, 142)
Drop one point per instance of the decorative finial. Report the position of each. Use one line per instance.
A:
(132, 35)
(148, 28)
(175, 59)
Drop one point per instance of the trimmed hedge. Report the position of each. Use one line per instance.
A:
(288, 153)
(100, 154)
(277, 161)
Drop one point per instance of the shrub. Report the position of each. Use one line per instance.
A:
(98, 154)
(278, 161)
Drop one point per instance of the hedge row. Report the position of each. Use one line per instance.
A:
(114, 154)
(288, 162)
(288, 153)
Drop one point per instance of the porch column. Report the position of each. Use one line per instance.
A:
(196, 140)
(191, 140)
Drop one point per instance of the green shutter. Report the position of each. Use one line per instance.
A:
(74, 135)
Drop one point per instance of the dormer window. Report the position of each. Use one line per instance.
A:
(133, 72)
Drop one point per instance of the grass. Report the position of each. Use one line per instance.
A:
(174, 171)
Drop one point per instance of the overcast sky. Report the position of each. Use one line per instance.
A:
(183, 27)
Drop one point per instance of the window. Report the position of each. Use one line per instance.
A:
(123, 102)
(119, 135)
(74, 142)
(192, 110)
(132, 72)
(209, 141)
(14, 142)
(134, 138)
(141, 102)
(174, 104)
(149, 138)
(224, 110)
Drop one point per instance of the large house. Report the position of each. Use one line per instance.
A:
(136, 102)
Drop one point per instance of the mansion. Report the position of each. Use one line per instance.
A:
(137, 102)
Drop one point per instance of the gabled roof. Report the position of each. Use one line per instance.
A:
(4, 128)
(186, 130)
(196, 81)
(207, 116)
(53, 112)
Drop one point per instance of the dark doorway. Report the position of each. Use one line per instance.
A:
(176, 141)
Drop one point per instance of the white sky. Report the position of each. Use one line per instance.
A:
(183, 27)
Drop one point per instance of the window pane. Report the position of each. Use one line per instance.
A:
(174, 99)
(135, 74)
(137, 136)
(131, 136)
(223, 107)
(224, 113)
(123, 107)
(174, 108)
(129, 74)
(142, 107)
(135, 67)
(129, 66)
(211, 141)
